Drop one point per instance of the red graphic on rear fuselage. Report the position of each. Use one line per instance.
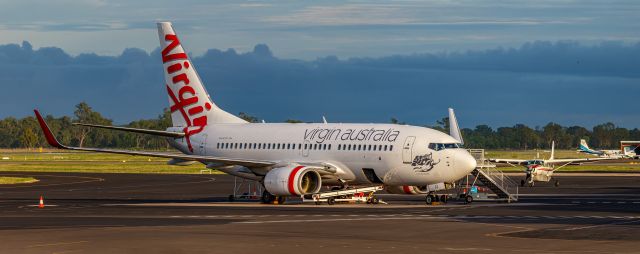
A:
(186, 100)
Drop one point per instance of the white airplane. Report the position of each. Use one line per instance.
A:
(293, 159)
(584, 148)
(539, 170)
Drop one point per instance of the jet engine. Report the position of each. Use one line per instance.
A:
(410, 190)
(293, 180)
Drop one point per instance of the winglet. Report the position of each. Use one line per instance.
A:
(47, 132)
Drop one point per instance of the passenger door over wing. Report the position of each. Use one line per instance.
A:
(407, 148)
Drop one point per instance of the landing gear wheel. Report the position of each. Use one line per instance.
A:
(468, 199)
(331, 201)
(267, 198)
(444, 198)
(557, 183)
(375, 200)
(232, 198)
(282, 200)
(428, 199)
(531, 184)
(522, 182)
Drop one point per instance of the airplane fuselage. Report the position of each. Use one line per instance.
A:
(396, 154)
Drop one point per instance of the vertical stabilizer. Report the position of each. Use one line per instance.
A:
(454, 130)
(190, 104)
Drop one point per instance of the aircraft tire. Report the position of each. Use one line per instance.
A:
(444, 198)
(331, 201)
(468, 199)
(557, 183)
(282, 200)
(267, 198)
(522, 182)
(428, 199)
(232, 198)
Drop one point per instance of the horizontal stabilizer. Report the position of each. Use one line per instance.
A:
(170, 134)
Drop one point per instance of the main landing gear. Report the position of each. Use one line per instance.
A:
(268, 198)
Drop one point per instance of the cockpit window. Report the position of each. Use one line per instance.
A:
(534, 162)
(442, 146)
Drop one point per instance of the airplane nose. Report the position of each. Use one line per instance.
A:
(465, 162)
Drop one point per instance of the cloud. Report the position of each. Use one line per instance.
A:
(538, 82)
(398, 14)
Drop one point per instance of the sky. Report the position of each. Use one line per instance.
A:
(496, 62)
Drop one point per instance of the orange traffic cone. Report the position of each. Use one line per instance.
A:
(41, 203)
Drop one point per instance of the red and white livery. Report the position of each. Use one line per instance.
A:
(292, 159)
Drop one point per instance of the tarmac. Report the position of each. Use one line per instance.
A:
(162, 213)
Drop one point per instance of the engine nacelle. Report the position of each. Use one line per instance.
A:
(416, 190)
(292, 180)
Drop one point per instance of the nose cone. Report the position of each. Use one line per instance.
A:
(465, 163)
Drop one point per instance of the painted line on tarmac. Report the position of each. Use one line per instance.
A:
(339, 219)
(332, 217)
(606, 202)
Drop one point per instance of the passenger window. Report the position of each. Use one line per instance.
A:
(385, 147)
(391, 148)
(329, 146)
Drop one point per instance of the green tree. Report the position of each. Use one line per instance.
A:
(603, 134)
(85, 114)
(29, 138)
(248, 118)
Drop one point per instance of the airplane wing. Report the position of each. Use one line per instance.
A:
(143, 131)
(568, 161)
(51, 139)
(508, 161)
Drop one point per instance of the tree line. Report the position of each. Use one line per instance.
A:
(26, 133)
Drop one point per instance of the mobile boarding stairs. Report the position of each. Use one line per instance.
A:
(504, 188)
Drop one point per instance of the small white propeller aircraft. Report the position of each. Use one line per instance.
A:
(539, 170)
(293, 159)
(583, 147)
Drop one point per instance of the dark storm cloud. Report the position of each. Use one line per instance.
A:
(536, 83)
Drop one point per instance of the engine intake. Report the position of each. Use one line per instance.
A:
(292, 180)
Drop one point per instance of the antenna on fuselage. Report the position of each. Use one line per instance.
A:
(454, 130)
(324, 120)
